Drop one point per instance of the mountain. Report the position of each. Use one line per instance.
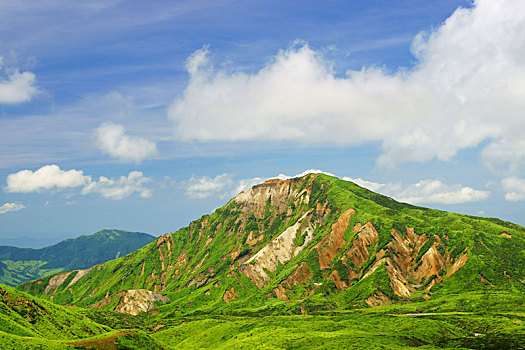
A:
(340, 257)
(18, 265)
(303, 238)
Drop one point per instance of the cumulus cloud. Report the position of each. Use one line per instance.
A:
(467, 86)
(514, 187)
(120, 188)
(51, 177)
(306, 172)
(48, 177)
(205, 186)
(506, 155)
(424, 191)
(7, 207)
(224, 185)
(111, 139)
(17, 87)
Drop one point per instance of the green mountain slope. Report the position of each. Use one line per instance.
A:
(306, 245)
(18, 265)
(27, 322)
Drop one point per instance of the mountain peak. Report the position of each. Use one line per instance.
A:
(313, 236)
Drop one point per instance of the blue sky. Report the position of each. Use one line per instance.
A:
(122, 114)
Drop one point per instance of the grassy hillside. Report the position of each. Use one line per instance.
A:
(310, 243)
(18, 265)
(312, 262)
(27, 322)
(31, 323)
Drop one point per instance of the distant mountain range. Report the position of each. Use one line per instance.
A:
(18, 265)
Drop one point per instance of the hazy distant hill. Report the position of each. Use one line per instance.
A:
(18, 265)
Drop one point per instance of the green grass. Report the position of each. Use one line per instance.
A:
(201, 262)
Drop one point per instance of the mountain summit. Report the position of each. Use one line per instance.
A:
(308, 243)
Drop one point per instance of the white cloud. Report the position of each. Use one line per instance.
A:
(309, 171)
(506, 155)
(48, 177)
(515, 188)
(17, 87)
(205, 186)
(244, 184)
(424, 191)
(51, 177)
(120, 188)
(7, 207)
(224, 185)
(468, 85)
(111, 139)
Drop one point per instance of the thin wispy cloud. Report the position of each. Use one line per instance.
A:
(7, 207)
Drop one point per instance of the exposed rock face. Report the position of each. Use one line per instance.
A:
(340, 284)
(79, 275)
(333, 242)
(402, 267)
(301, 275)
(230, 295)
(358, 252)
(133, 301)
(378, 299)
(279, 251)
(278, 192)
(56, 281)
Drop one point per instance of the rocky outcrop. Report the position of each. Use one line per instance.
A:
(378, 298)
(230, 295)
(301, 275)
(332, 243)
(366, 236)
(133, 301)
(56, 281)
(278, 251)
(276, 193)
(79, 275)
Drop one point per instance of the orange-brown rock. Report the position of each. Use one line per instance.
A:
(366, 236)
(458, 264)
(332, 243)
(280, 292)
(229, 295)
(378, 298)
(340, 284)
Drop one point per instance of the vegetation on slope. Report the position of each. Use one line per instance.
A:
(298, 264)
(18, 265)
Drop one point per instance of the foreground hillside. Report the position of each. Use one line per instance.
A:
(28, 322)
(315, 241)
(18, 265)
